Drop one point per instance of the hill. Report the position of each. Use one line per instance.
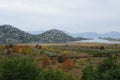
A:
(55, 36)
(9, 34)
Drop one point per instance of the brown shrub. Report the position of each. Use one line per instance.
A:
(68, 64)
(62, 58)
(45, 61)
(54, 61)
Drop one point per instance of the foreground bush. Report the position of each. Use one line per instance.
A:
(25, 69)
(57, 75)
(107, 70)
(18, 69)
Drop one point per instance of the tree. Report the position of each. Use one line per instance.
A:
(62, 58)
(45, 61)
(68, 64)
(109, 69)
(88, 73)
(53, 75)
(19, 69)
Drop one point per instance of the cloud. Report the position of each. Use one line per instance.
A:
(28, 7)
(62, 14)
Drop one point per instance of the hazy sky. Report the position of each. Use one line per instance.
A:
(69, 15)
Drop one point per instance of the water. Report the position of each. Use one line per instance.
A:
(97, 40)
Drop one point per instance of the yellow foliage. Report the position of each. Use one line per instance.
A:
(81, 61)
(51, 49)
(65, 52)
(36, 60)
(44, 47)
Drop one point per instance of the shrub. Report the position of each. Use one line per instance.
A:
(54, 61)
(62, 58)
(88, 73)
(45, 61)
(18, 69)
(107, 70)
(68, 64)
(57, 75)
(53, 75)
(102, 47)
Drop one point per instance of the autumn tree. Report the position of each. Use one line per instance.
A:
(45, 61)
(68, 64)
(62, 58)
(54, 61)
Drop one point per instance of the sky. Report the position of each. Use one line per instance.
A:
(75, 16)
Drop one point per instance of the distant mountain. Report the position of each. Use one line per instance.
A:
(95, 35)
(86, 34)
(36, 32)
(89, 35)
(111, 35)
(56, 36)
(9, 34)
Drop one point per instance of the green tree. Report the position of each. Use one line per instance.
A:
(89, 73)
(18, 69)
(109, 69)
(53, 75)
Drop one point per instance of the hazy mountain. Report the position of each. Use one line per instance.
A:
(86, 34)
(95, 35)
(89, 34)
(10, 34)
(36, 32)
(112, 35)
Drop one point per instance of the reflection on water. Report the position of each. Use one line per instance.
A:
(97, 40)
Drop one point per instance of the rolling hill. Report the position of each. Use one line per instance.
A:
(55, 36)
(9, 34)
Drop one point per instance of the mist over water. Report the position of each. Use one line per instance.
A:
(97, 40)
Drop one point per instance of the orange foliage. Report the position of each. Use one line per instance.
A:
(37, 46)
(45, 61)
(15, 48)
(54, 61)
(68, 64)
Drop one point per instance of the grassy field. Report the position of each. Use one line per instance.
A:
(69, 57)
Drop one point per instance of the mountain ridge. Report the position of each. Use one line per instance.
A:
(87, 34)
(96, 35)
(10, 34)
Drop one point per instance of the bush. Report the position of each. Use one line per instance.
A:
(57, 75)
(53, 75)
(45, 61)
(18, 69)
(62, 58)
(107, 70)
(68, 64)
(88, 73)
(25, 69)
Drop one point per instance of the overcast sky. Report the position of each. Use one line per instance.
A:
(69, 15)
